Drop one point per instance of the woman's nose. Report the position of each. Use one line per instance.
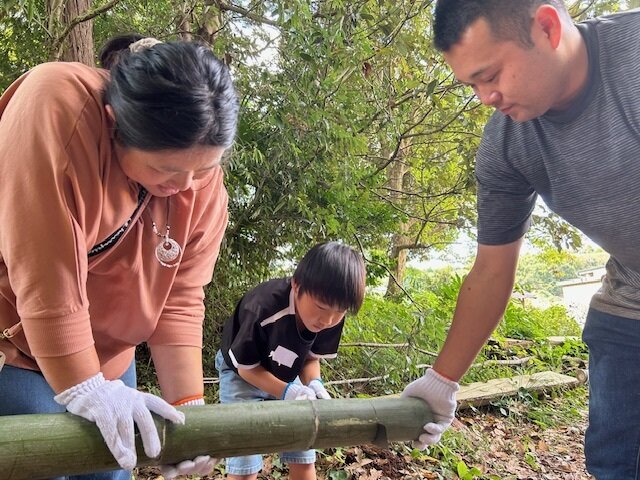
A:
(183, 181)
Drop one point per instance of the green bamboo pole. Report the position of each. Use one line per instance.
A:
(34, 447)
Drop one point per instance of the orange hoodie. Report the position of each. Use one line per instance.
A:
(62, 192)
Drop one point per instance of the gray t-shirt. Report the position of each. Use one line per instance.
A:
(584, 162)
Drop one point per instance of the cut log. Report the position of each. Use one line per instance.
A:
(511, 342)
(582, 375)
(482, 393)
(42, 446)
(560, 340)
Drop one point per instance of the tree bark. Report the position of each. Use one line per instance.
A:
(398, 181)
(78, 47)
(36, 447)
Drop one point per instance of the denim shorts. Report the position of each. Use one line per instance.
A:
(612, 440)
(234, 389)
(25, 391)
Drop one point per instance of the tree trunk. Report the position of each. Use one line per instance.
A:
(78, 46)
(398, 257)
(35, 447)
(183, 22)
(398, 182)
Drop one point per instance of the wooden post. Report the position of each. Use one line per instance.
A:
(36, 447)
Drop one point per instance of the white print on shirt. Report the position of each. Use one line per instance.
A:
(283, 356)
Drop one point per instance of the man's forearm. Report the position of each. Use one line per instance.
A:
(483, 298)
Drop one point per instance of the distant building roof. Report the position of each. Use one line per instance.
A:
(592, 275)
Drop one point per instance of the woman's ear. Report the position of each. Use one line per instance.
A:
(111, 115)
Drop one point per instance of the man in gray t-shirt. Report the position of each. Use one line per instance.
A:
(567, 128)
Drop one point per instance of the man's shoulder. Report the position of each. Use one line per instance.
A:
(628, 17)
(501, 132)
(617, 32)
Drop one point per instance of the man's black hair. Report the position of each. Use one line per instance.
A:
(508, 19)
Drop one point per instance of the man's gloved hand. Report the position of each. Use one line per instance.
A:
(202, 465)
(440, 394)
(114, 408)
(295, 391)
(318, 387)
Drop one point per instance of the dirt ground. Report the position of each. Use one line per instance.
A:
(528, 452)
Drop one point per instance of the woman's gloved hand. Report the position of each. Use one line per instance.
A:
(201, 465)
(114, 408)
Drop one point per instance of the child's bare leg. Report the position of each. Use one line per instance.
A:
(302, 471)
(252, 476)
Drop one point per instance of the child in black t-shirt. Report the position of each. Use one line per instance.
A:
(279, 331)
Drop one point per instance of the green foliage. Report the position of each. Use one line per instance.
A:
(536, 324)
(21, 40)
(447, 453)
(466, 473)
(417, 280)
(422, 327)
(378, 321)
(544, 410)
(540, 272)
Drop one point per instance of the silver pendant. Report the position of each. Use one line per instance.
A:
(167, 252)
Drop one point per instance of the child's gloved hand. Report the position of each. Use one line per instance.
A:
(318, 387)
(295, 391)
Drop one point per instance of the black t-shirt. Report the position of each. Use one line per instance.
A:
(263, 331)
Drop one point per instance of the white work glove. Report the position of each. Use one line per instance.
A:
(440, 394)
(202, 465)
(114, 408)
(295, 391)
(318, 387)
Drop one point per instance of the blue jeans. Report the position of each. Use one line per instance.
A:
(612, 440)
(234, 389)
(25, 392)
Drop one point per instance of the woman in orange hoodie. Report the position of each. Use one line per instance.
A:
(112, 214)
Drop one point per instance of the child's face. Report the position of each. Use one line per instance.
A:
(314, 314)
